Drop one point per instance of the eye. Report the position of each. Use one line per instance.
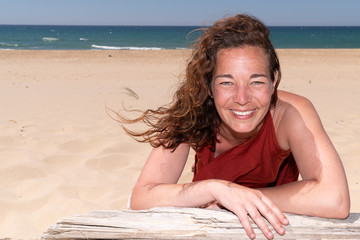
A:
(257, 82)
(226, 83)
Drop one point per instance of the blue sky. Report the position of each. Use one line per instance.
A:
(179, 12)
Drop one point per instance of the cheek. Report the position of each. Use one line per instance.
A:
(263, 96)
(219, 101)
(267, 98)
(221, 97)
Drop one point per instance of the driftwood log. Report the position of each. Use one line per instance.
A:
(191, 223)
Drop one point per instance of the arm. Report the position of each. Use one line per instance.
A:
(157, 186)
(323, 190)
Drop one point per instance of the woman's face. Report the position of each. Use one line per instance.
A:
(242, 90)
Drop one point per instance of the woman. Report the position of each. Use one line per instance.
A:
(251, 140)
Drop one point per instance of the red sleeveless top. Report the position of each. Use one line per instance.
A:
(258, 162)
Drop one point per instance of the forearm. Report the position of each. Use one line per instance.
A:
(240, 200)
(310, 197)
(193, 194)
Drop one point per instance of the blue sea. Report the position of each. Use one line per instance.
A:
(159, 37)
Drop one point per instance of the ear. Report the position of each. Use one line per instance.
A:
(210, 94)
(210, 91)
(274, 83)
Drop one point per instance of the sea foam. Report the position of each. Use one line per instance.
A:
(124, 48)
(49, 39)
(8, 44)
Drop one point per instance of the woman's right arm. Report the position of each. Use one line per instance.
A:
(157, 184)
(157, 187)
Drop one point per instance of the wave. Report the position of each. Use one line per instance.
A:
(8, 44)
(83, 39)
(49, 39)
(124, 48)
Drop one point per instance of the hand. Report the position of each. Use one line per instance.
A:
(246, 202)
(212, 206)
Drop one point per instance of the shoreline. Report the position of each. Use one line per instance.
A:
(62, 154)
(161, 49)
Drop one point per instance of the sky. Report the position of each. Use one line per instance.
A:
(179, 12)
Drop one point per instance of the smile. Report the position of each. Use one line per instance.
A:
(243, 113)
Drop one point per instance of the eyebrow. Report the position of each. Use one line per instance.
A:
(224, 76)
(255, 75)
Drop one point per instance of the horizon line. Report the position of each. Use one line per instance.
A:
(159, 25)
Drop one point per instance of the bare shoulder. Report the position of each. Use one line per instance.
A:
(290, 104)
(293, 114)
(293, 99)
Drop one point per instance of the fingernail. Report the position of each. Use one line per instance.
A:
(282, 230)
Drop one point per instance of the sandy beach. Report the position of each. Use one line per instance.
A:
(62, 154)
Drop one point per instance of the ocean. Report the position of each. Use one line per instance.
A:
(159, 37)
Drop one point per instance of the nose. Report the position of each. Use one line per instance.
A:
(242, 94)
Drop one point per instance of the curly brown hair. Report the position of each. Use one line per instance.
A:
(192, 117)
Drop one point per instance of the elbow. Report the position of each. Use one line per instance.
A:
(343, 202)
(334, 199)
(139, 198)
(343, 208)
(136, 205)
(132, 205)
(134, 202)
(339, 206)
(341, 212)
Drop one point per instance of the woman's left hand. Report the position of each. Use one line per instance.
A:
(245, 202)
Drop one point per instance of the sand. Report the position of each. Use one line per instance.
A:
(61, 153)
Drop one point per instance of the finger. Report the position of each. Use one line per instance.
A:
(271, 218)
(283, 219)
(260, 222)
(274, 216)
(244, 220)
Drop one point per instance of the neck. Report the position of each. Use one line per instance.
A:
(225, 133)
(234, 138)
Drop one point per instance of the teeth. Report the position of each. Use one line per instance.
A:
(242, 113)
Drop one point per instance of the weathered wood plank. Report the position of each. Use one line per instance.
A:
(191, 223)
